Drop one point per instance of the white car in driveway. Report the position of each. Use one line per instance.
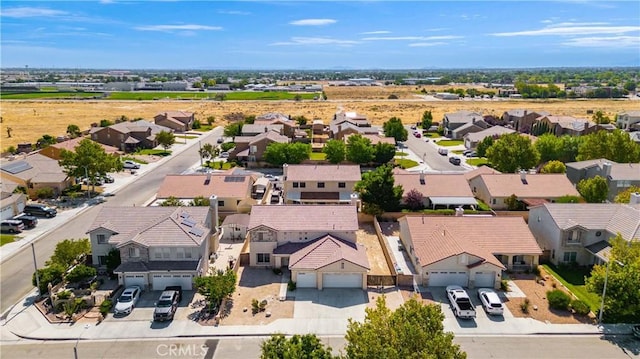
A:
(127, 300)
(490, 301)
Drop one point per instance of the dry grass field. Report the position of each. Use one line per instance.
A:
(29, 120)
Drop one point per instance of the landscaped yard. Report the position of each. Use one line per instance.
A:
(318, 156)
(203, 128)
(573, 279)
(477, 161)
(404, 163)
(219, 165)
(449, 143)
(400, 153)
(432, 135)
(6, 238)
(153, 152)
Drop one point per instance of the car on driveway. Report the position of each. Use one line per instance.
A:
(130, 165)
(11, 226)
(127, 300)
(28, 221)
(490, 301)
(37, 209)
(167, 304)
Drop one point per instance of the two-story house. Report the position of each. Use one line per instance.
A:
(250, 130)
(289, 126)
(317, 243)
(580, 233)
(250, 150)
(159, 246)
(346, 123)
(179, 121)
(11, 202)
(452, 121)
(626, 120)
(467, 250)
(619, 176)
(128, 136)
(564, 125)
(319, 184)
(522, 120)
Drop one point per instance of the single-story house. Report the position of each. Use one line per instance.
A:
(320, 184)
(472, 139)
(35, 171)
(437, 190)
(54, 151)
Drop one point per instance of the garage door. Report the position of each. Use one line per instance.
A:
(306, 280)
(445, 278)
(161, 281)
(7, 213)
(342, 280)
(485, 279)
(135, 279)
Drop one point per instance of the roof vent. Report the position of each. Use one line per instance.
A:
(523, 177)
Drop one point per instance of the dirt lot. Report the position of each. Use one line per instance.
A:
(29, 120)
(536, 293)
(366, 236)
(260, 284)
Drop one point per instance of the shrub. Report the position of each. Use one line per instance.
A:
(291, 285)
(393, 97)
(504, 285)
(558, 299)
(45, 192)
(580, 307)
(81, 272)
(257, 307)
(196, 124)
(105, 307)
(65, 294)
(227, 146)
(524, 306)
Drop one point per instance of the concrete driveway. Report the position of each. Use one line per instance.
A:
(330, 303)
(143, 310)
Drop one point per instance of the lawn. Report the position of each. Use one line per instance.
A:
(129, 158)
(401, 154)
(449, 143)
(318, 156)
(203, 128)
(220, 165)
(234, 96)
(573, 279)
(458, 152)
(477, 161)
(432, 135)
(153, 152)
(6, 238)
(404, 163)
(49, 95)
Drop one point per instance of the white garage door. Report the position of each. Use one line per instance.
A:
(306, 280)
(485, 279)
(161, 281)
(445, 278)
(342, 280)
(7, 213)
(135, 279)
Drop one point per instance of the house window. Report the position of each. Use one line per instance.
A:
(474, 189)
(188, 253)
(220, 203)
(180, 253)
(261, 236)
(263, 258)
(342, 185)
(342, 265)
(569, 257)
(253, 149)
(134, 252)
(102, 260)
(493, 201)
(157, 253)
(295, 185)
(303, 185)
(102, 239)
(320, 184)
(166, 253)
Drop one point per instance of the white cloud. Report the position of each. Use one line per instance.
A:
(313, 22)
(381, 32)
(411, 38)
(546, 21)
(314, 41)
(426, 44)
(233, 12)
(572, 29)
(609, 41)
(186, 27)
(24, 12)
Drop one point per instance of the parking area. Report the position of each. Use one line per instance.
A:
(143, 311)
(330, 303)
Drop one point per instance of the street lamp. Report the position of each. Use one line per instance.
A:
(75, 347)
(604, 289)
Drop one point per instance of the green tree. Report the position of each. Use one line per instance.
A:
(166, 139)
(481, 149)
(301, 120)
(569, 148)
(335, 151)
(378, 191)
(622, 301)
(600, 119)
(80, 273)
(414, 330)
(171, 201)
(51, 274)
(554, 167)
(89, 158)
(233, 129)
(625, 196)
(113, 260)
(549, 147)
(73, 131)
(199, 201)
(216, 287)
(512, 152)
(46, 140)
(306, 346)
(394, 128)
(593, 190)
(615, 146)
(70, 251)
(105, 123)
(278, 154)
(630, 86)
(359, 149)
(383, 153)
(427, 119)
(208, 151)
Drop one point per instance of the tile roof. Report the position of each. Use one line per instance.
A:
(521, 112)
(613, 217)
(438, 238)
(325, 251)
(491, 131)
(537, 185)
(259, 128)
(478, 171)
(325, 218)
(435, 185)
(206, 185)
(71, 144)
(270, 135)
(239, 219)
(329, 173)
(153, 226)
(463, 116)
(619, 171)
(157, 265)
(34, 165)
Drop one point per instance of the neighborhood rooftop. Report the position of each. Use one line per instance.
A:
(533, 186)
(206, 185)
(325, 218)
(322, 173)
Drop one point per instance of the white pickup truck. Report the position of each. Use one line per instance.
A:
(460, 302)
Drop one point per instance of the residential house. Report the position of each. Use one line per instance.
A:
(531, 189)
(289, 126)
(128, 136)
(159, 246)
(619, 176)
(320, 135)
(250, 150)
(35, 171)
(11, 202)
(626, 120)
(437, 190)
(54, 151)
(179, 121)
(317, 243)
(234, 227)
(233, 191)
(453, 121)
(522, 120)
(470, 251)
(348, 122)
(472, 139)
(375, 139)
(478, 171)
(250, 130)
(564, 125)
(320, 184)
(580, 232)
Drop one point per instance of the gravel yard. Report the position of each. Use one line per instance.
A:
(366, 236)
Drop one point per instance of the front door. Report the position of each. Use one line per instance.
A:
(284, 262)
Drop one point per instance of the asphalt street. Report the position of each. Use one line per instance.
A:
(429, 154)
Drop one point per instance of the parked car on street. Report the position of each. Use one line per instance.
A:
(11, 226)
(127, 300)
(41, 210)
(490, 301)
(107, 179)
(455, 160)
(443, 151)
(28, 221)
(460, 302)
(130, 165)
(220, 140)
(167, 305)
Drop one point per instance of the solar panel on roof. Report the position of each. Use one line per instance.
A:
(184, 215)
(196, 232)
(234, 178)
(188, 222)
(16, 167)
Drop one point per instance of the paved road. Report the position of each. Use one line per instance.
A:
(429, 152)
(498, 347)
(16, 271)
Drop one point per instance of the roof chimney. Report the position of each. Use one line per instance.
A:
(634, 198)
(523, 176)
(422, 177)
(459, 211)
(354, 200)
(212, 215)
(606, 168)
(285, 168)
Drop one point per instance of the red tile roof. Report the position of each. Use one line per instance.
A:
(327, 250)
(535, 185)
(435, 185)
(329, 173)
(194, 185)
(326, 218)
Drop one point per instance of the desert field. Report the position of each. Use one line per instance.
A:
(29, 120)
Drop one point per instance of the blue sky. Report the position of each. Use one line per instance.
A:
(116, 34)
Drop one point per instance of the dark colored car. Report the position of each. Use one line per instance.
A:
(40, 210)
(11, 226)
(167, 304)
(28, 221)
(455, 160)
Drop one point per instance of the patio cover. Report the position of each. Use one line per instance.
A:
(601, 249)
(453, 201)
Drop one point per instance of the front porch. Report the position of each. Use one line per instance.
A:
(518, 262)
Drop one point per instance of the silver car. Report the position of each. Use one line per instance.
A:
(127, 300)
(490, 301)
